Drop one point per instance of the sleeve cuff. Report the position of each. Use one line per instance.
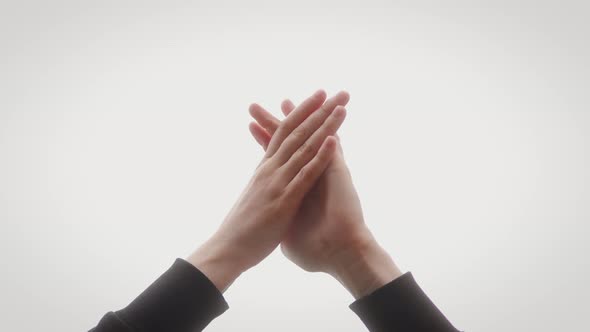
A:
(182, 299)
(400, 305)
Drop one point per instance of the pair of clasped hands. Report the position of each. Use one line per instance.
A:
(302, 198)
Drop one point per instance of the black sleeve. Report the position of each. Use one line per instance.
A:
(400, 306)
(182, 299)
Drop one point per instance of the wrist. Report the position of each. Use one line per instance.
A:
(365, 268)
(216, 262)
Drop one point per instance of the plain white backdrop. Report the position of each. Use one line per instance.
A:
(124, 142)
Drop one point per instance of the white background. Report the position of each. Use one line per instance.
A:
(124, 141)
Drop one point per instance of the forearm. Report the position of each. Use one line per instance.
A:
(182, 299)
(217, 262)
(386, 299)
(365, 268)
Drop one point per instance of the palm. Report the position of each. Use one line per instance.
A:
(328, 216)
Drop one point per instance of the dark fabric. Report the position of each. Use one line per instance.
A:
(400, 306)
(184, 300)
(181, 300)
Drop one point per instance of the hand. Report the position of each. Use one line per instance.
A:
(328, 233)
(300, 150)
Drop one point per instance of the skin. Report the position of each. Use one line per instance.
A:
(296, 156)
(301, 197)
(328, 233)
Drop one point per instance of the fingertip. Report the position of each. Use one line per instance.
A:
(287, 103)
(344, 95)
(340, 111)
(320, 93)
(330, 147)
(253, 126)
(260, 134)
(330, 142)
(256, 128)
(287, 106)
(252, 108)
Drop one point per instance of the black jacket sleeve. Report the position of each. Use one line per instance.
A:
(181, 300)
(400, 306)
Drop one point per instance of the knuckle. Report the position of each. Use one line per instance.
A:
(306, 149)
(305, 174)
(284, 202)
(258, 181)
(263, 169)
(286, 126)
(324, 111)
(274, 189)
(279, 132)
(300, 132)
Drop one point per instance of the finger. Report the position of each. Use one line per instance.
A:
(339, 148)
(308, 175)
(287, 106)
(300, 134)
(260, 134)
(308, 150)
(293, 121)
(264, 118)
